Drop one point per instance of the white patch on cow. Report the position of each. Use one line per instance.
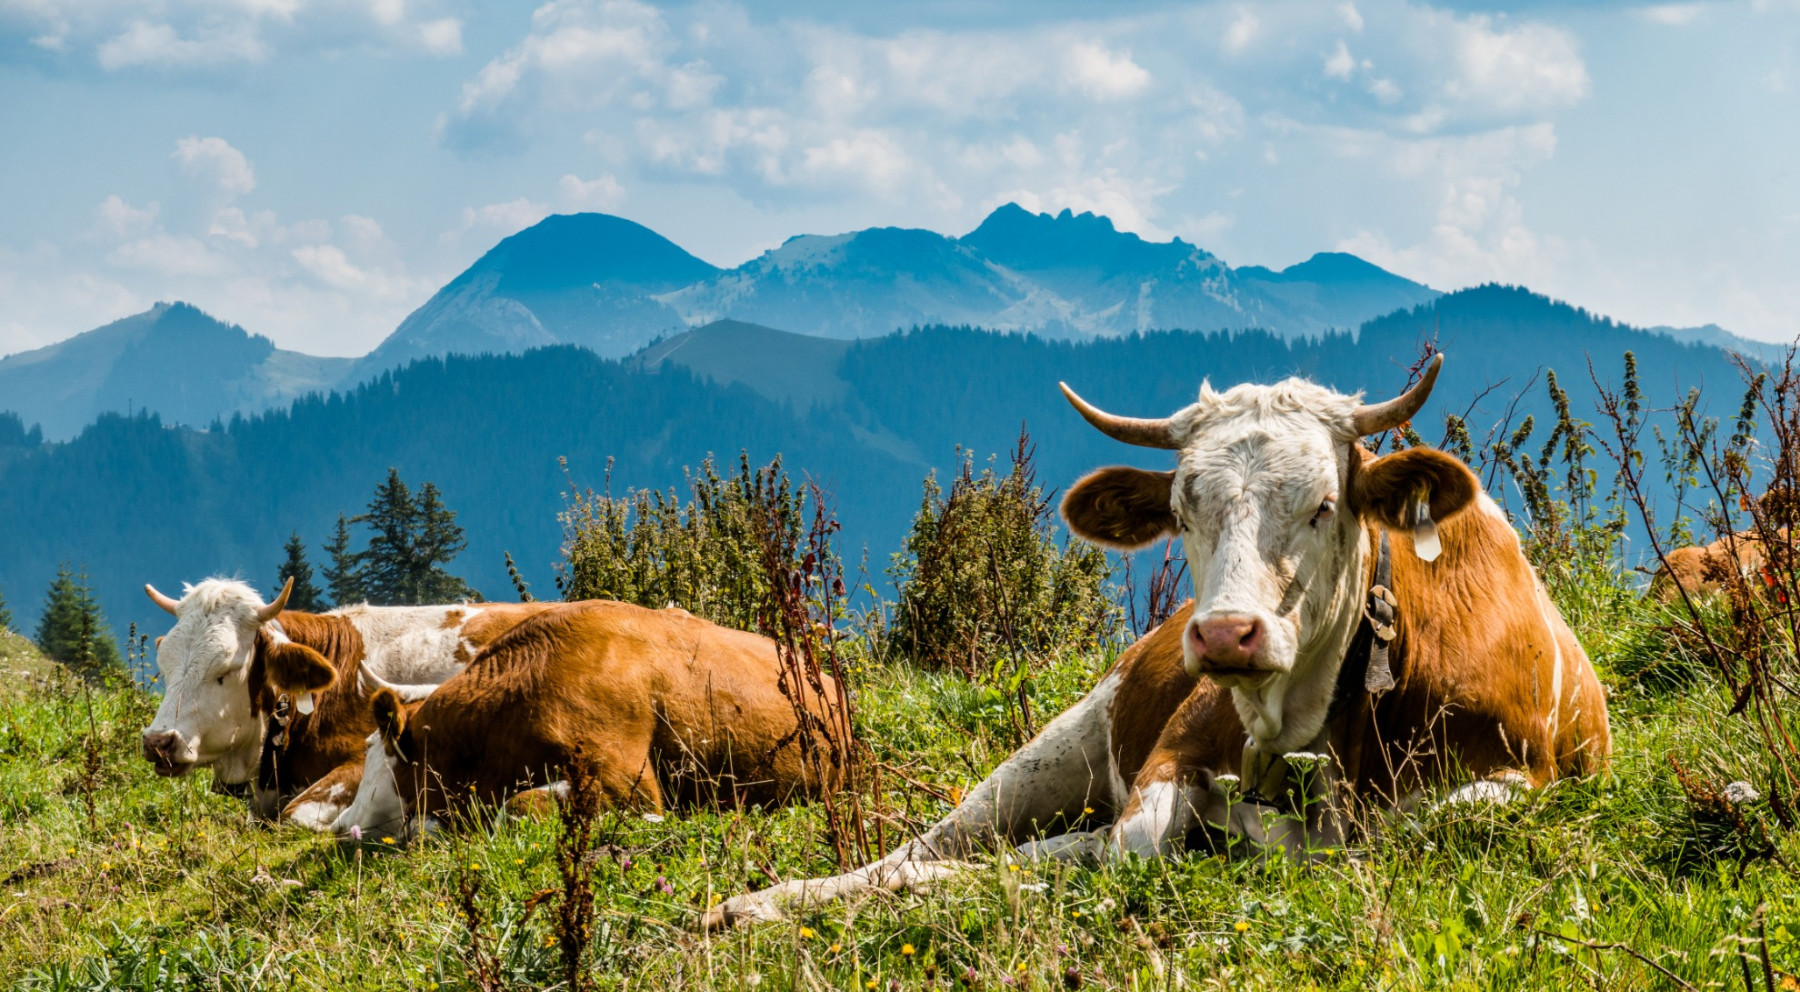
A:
(1081, 847)
(318, 812)
(378, 807)
(1484, 792)
(411, 644)
(1150, 829)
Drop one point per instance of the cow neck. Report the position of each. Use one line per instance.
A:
(1367, 668)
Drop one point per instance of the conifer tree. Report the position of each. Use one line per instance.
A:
(306, 596)
(411, 542)
(343, 577)
(437, 542)
(385, 565)
(5, 615)
(72, 631)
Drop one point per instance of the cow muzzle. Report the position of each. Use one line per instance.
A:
(1227, 647)
(167, 752)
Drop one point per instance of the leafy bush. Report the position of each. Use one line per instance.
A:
(982, 578)
(704, 554)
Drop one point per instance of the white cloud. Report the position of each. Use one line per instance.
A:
(1352, 17)
(216, 162)
(497, 220)
(212, 36)
(1105, 75)
(1242, 30)
(1478, 232)
(1340, 64)
(442, 37)
(603, 193)
(121, 220)
(1673, 14)
(1531, 67)
(160, 46)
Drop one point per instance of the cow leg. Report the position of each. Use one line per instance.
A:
(320, 804)
(1063, 770)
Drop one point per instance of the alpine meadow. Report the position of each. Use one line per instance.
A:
(648, 494)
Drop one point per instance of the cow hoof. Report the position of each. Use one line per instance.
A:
(752, 907)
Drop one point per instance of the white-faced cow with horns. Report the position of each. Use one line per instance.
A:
(1363, 629)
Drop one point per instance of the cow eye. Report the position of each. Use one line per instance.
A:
(1326, 510)
(221, 680)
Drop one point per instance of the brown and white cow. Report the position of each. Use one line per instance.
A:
(1282, 511)
(658, 707)
(230, 656)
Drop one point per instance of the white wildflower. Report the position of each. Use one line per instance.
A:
(1740, 793)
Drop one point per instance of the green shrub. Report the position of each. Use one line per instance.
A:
(982, 578)
(703, 554)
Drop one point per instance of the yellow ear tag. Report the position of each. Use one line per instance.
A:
(303, 702)
(1424, 531)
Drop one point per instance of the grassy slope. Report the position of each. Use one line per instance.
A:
(169, 880)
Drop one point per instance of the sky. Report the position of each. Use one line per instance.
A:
(315, 169)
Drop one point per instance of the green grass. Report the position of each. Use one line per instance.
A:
(170, 886)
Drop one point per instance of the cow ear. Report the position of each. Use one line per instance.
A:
(1391, 487)
(1121, 507)
(297, 669)
(390, 716)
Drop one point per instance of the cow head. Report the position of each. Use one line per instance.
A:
(1270, 494)
(205, 719)
(391, 774)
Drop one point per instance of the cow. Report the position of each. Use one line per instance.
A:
(654, 708)
(1706, 571)
(230, 660)
(1362, 629)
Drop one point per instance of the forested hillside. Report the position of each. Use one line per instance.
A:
(135, 501)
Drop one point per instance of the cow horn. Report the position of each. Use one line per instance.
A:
(163, 601)
(1131, 430)
(274, 609)
(1373, 418)
(407, 693)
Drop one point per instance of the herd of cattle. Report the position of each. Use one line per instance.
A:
(1375, 610)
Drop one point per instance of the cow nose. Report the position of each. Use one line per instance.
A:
(159, 746)
(1229, 640)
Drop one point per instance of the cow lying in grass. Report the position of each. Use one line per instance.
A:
(1288, 646)
(275, 700)
(652, 707)
(1708, 570)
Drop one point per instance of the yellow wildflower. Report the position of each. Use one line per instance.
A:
(1241, 926)
(806, 933)
(906, 949)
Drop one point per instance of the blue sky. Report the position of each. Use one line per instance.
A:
(315, 170)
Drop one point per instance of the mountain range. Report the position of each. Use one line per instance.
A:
(614, 287)
(136, 498)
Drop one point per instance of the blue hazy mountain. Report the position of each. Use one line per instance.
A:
(584, 279)
(613, 286)
(134, 499)
(172, 359)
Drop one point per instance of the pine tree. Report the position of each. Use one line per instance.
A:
(5, 615)
(411, 542)
(386, 565)
(343, 577)
(437, 542)
(72, 631)
(306, 596)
